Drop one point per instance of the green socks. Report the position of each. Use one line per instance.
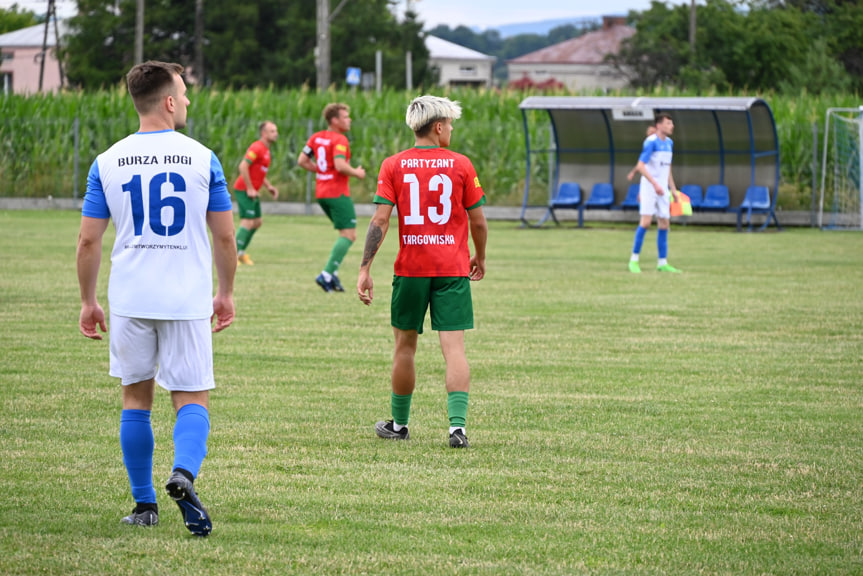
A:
(244, 237)
(457, 408)
(401, 408)
(340, 249)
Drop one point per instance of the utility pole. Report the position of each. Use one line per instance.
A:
(323, 61)
(57, 48)
(322, 50)
(199, 42)
(692, 27)
(139, 32)
(52, 13)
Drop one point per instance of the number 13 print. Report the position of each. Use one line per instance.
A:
(438, 182)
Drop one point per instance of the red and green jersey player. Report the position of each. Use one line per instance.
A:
(439, 201)
(327, 153)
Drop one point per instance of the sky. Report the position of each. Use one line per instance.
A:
(64, 7)
(480, 14)
(490, 13)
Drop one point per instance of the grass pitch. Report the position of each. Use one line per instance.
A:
(708, 422)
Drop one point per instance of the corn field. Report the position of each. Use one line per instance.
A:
(48, 142)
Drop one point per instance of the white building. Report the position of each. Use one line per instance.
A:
(577, 64)
(457, 65)
(21, 59)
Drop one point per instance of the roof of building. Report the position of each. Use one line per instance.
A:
(590, 48)
(33, 36)
(726, 103)
(445, 50)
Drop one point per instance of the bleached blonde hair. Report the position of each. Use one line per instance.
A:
(425, 110)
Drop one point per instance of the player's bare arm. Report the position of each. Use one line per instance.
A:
(479, 234)
(642, 169)
(344, 167)
(88, 259)
(378, 227)
(272, 189)
(221, 224)
(251, 192)
(672, 186)
(306, 163)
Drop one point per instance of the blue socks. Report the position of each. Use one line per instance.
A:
(639, 239)
(662, 244)
(190, 437)
(136, 440)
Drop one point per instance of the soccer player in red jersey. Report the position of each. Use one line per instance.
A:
(253, 176)
(439, 199)
(328, 154)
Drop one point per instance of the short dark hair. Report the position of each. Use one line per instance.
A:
(149, 82)
(333, 110)
(660, 117)
(426, 129)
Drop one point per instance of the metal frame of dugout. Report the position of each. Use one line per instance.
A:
(730, 141)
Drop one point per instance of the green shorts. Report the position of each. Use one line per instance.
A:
(249, 208)
(448, 298)
(340, 211)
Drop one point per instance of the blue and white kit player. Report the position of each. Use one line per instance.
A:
(162, 190)
(655, 189)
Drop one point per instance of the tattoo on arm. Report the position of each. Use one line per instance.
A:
(373, 242)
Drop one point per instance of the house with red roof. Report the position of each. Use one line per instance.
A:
(578, 64)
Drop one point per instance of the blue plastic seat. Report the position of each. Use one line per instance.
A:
(716, 198)
(568, 195)
(757, 200)
(631, 200)
(696, 197)
(601, 196)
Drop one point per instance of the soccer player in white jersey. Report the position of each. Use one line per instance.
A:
(162, 190)
(657, 183)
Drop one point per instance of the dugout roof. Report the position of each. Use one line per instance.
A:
(728, 140)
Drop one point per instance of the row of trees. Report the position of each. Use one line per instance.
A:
(790, 45)
(15, 18)
(254, 43)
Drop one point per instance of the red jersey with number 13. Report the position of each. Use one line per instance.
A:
(432, 188)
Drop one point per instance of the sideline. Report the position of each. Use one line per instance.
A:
(511, 213)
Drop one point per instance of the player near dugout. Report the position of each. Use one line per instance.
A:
(439, 200)
(657, 184)
(162, 190)
(328, 153)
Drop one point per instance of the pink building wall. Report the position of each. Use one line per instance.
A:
(24, 69)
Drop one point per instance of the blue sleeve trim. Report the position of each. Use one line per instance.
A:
(95, 204)
(220, 198)
(646, 151)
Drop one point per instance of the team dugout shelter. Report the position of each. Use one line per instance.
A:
(725, 141)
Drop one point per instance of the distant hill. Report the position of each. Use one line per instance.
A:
(543, 27)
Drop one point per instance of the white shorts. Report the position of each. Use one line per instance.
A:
(178, 353)
(650, 204)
